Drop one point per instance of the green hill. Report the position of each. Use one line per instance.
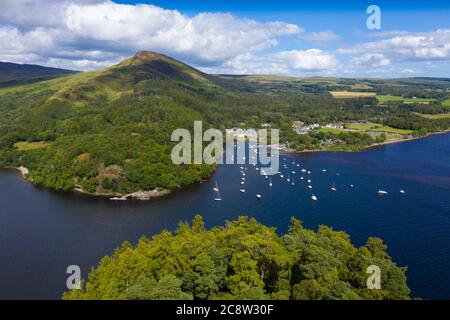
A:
(109, 129)
(15, 74)
(244, 260)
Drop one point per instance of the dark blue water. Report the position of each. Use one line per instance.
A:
(42, 232)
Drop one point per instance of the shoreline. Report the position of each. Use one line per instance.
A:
(371, 146)
(143, 195)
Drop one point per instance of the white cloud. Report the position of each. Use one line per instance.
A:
(322, 36)
(284, 62)
(372, 59)
(88, 33)
(428, 46)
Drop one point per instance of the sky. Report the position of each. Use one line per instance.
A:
(297, 38)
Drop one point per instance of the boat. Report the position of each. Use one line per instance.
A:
(382, 192)
(324, 170)
(242, 190)
(270, 183)
(303, 170)
(288, 178)
(258, 196)
(281, 176)
(301, 178)
(118, 199)
(309, 181)
(216, 188)
(402, 191)
(242, 182)
(351, 186)
(314, 198)
(292, 183)
(333, 188)
(309, 172)
(218, 198)
(310, 187)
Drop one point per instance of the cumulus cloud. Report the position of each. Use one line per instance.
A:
(90, 33)
(372, 59)
(322, 36)
(428, 46)
(284, 62)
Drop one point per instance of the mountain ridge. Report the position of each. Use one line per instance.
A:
(15, 73)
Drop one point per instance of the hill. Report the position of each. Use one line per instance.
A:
(107, 132)
(14, 74)
(244, 260)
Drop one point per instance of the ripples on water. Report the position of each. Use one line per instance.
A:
(42, 232)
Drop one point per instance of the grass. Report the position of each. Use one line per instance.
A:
(434, 116)
(24, 146)
(446, 103)
(388, 98)
(351, 94)
(370, 126)
(332, 130)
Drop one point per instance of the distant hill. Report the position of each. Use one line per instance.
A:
(13, 73)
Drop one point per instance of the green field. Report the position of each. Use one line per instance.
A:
(370, 126)
(388, 98)
(351, 94)
(332, 130)
(24, 146)
(446, 103)
(434, 116)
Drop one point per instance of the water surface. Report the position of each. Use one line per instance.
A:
(42, 232)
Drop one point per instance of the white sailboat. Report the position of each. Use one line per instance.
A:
(258, 196)
(270, 182)
(333, 188)
(382, 192)
(218, 197)
(216, 188)
(242, 190)
(402, 191)
(313, 198)
(310, 187)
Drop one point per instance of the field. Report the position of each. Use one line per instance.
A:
(446, 103)
(331, 130)
(434, 116)
(388, 98)
(370, 126)
(24, 146)
(351, 94)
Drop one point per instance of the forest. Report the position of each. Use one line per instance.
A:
(244, 260)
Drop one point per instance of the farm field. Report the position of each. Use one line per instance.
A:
(370, 126)
(351, 94)
(388, 98)
(434, 116)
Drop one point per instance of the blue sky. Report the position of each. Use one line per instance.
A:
(301, 38)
